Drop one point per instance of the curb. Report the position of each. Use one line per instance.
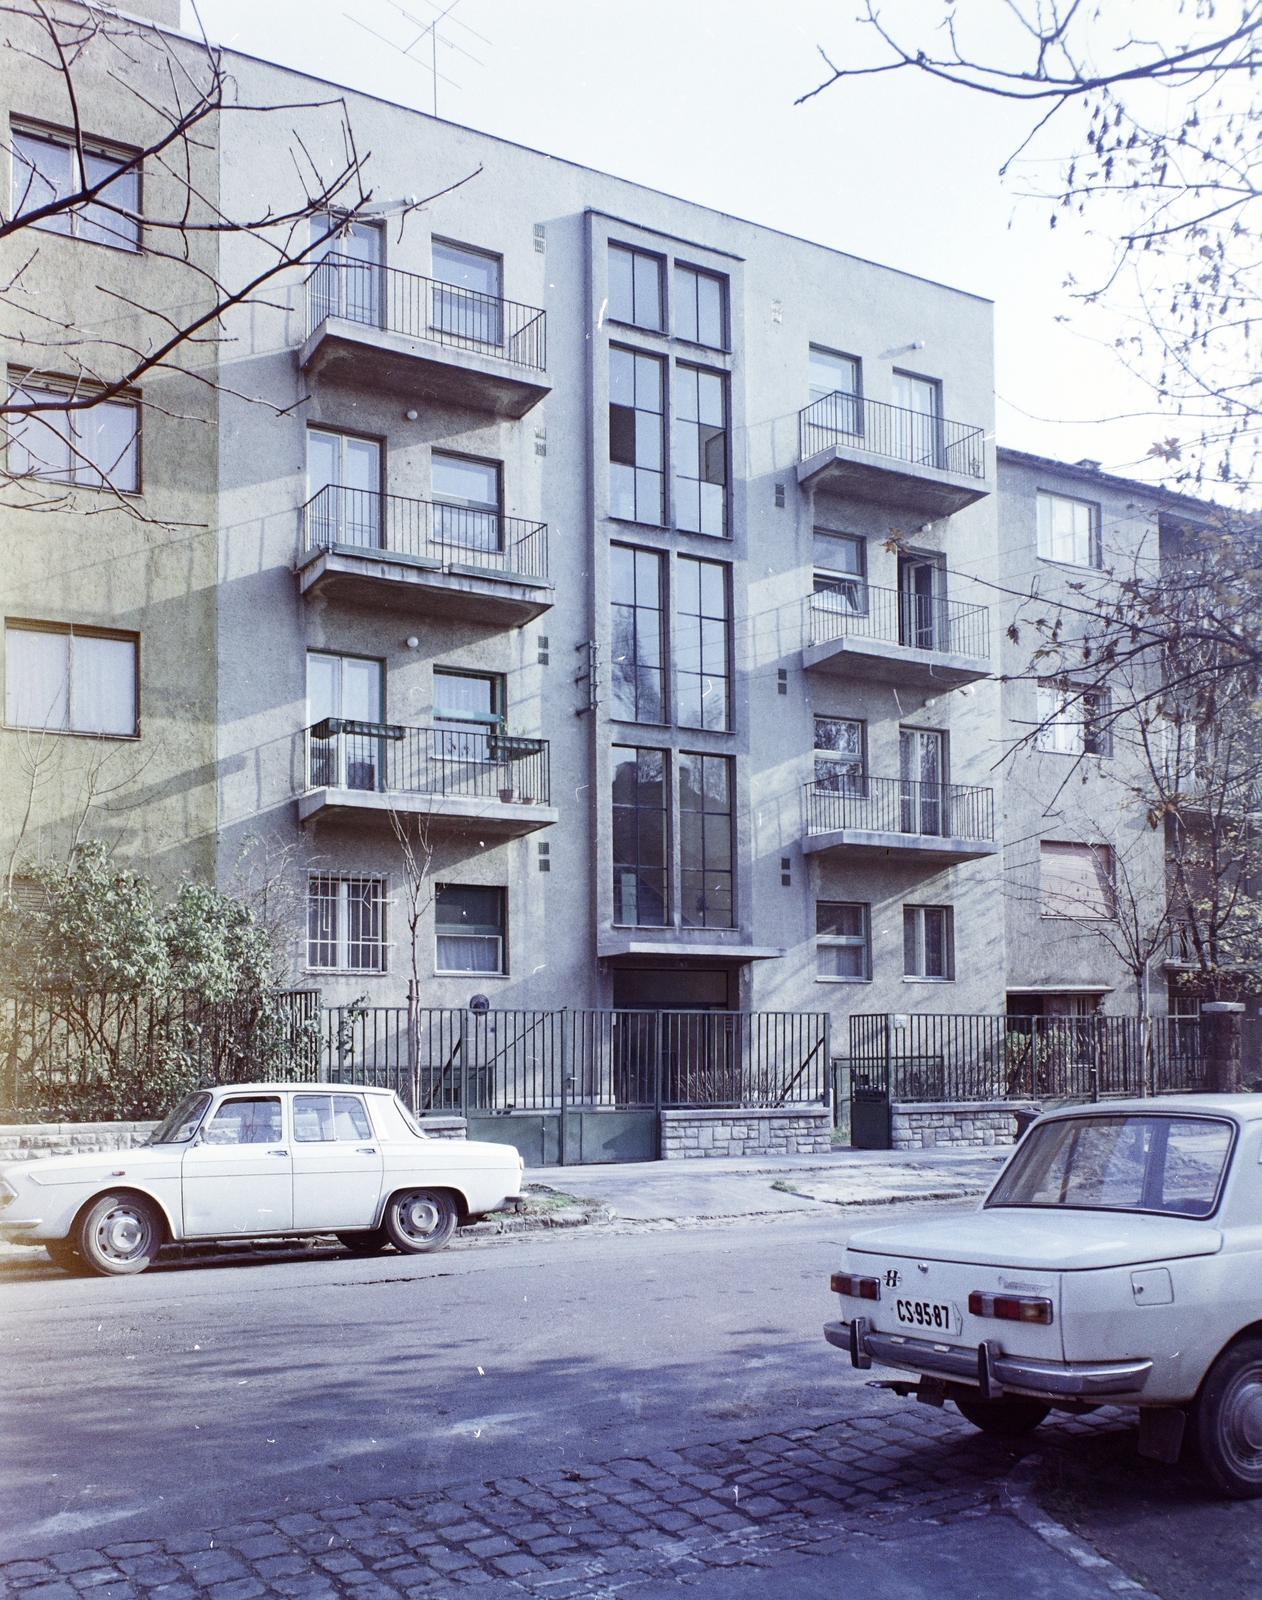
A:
(1016, 1496)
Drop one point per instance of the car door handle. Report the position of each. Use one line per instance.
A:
(366, 1150)
(278, 1152)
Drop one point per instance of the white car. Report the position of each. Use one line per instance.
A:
(1117, 1260)
(257, 1161)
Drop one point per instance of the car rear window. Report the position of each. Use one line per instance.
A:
(394, 1120)
(1167, 1164)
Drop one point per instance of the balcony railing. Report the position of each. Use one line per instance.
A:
(853, 608)
(423, 308)
(426, 530)
(855, 802)
(449, 763)
(923, 441)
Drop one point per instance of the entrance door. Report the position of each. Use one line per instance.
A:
(920, 771)
(343, 489)
(238, 1176)
(916, 426)
(337, 1162)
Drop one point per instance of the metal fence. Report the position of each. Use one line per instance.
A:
(971, 1058)
(448, 762)
(465, 1062)
(852, 800)
(423, 308)
(83, 1056)
(853, 608)
(425, 531)
(924, 441)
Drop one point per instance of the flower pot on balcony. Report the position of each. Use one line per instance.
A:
(506, 797)
(526, 799)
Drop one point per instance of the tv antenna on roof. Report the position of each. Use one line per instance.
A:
(428, 31)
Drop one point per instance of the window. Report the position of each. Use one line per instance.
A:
(840, 573)
(700, 451)
(841, 940)
(702, 646)
(469, 929)
(839, 755)
(346, 921)
(700, 308)
(1074, 722)
(469, 711)
(635, 287)
(1069, 530)
(46, 169)
(835, 381)
(928, 942)
(467, 302)
(343, 489)
(705, 841)
(325, 1118)
(246, 1121)
(466, 502)
(636, 440)
(636, 629)
(96, 447)
(71, 680)
(639, 838)
(349, 285)
(1075, 880)
(344, 689)
(915, 422)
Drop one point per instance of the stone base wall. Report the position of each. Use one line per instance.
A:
(26, 1141)
(791, 1131)
(955, 1124)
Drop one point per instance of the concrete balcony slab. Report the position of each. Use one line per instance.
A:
(859, 474)
(422, 586)
(447, 814)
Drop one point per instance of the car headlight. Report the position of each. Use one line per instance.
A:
(8, 1194)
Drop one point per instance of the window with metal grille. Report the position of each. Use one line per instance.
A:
(705, 841)
(346, 923)
(703, 646)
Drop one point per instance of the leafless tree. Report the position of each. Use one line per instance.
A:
(416, 852)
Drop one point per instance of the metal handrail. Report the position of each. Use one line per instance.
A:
(892, 431)
(448, 762)
(425, 530)
(424, 308)
(853, 608)
(855, 801)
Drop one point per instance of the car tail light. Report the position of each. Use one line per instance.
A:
(858, 1288)
(1010, 1307)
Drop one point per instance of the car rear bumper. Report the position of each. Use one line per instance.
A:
(1082, 1380)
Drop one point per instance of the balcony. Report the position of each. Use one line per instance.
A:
(424, 558)
(855, 630)
(938, 822)
(374, 328)
(489, 784)
(867, 450)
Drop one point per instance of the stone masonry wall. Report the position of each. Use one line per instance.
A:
(29, 1140)
(930, 1126)
(792, 1131)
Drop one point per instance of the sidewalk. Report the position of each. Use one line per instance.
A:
(683, 1191)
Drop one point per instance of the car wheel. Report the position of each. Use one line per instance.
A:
(420, 1219)
(1227, 1422)
(1008, 1418)
(62, 1253)
(368, 1243)
(119, 1233)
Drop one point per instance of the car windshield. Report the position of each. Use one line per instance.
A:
(1168, 1164)
(183, 1122)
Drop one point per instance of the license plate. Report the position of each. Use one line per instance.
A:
(928, 1316)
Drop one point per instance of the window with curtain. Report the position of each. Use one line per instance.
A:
(343, 489)
(928, 942)
(71, 680)
(841, 940)
(95, 447)
(636, 644)
(466, 502)
(703, 645)
(1069, 530)
(47, 168)
(1076, 880)
(469, 929)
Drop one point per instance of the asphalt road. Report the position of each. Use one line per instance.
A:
(207, 1395)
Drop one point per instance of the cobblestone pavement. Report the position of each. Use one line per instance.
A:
(590, 1530)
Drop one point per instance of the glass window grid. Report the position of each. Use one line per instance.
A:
(637, 634)
(1068, 530)
(636, 295)
(702, 651)
(462, 942)
(842, 941)
(45, 164)
(80, 701)
(346, 923)
(701, 307)
(92, 449)
(928, 943)
(1074, 722)
(641, 859)
(701, 451)
(637, 436)
(705, 840)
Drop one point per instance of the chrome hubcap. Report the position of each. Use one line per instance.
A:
(1242, 1419)
(123, 1235)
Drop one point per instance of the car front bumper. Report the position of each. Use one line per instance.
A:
(985, 1366)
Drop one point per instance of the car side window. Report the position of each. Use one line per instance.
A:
(245, 1121)
(321, 1118)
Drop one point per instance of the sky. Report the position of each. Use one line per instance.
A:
(696, 97)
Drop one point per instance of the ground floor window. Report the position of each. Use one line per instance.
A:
(346, 923)
(841, 940)
(469, 929)
(928, 942)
